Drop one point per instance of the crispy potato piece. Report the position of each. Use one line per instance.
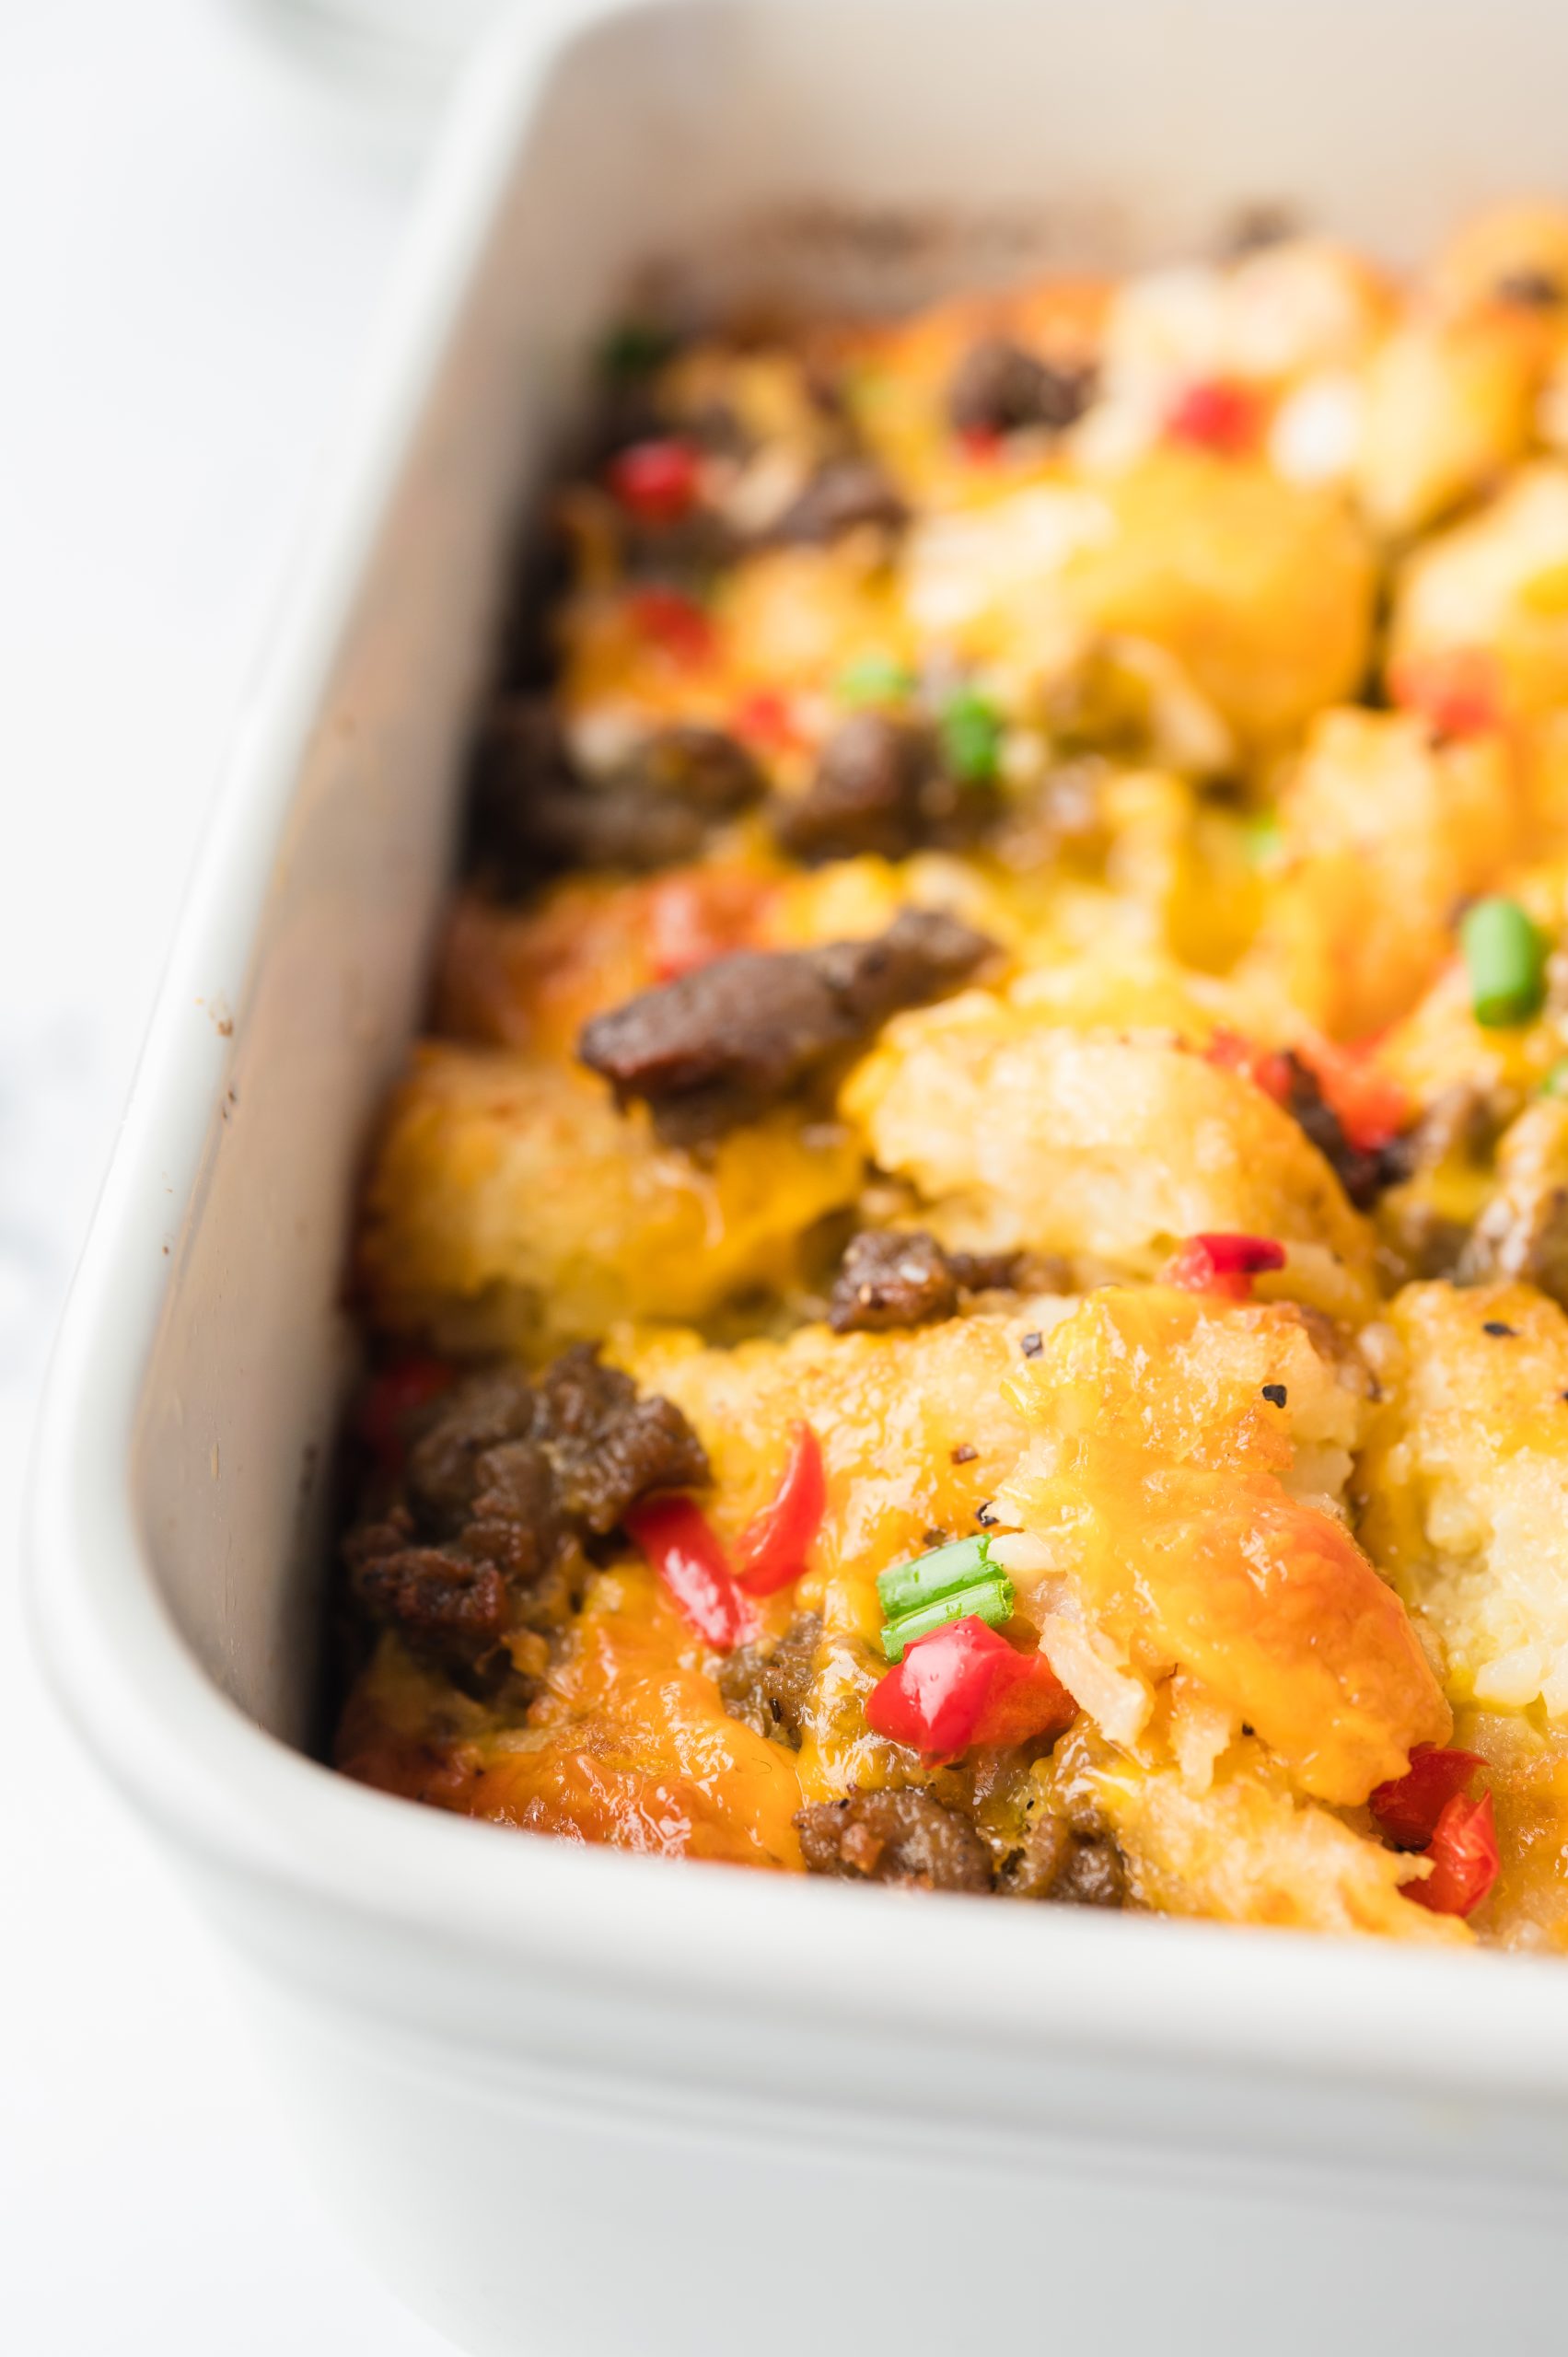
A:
(511, 1206)
(1498, 249)
(1244, 1849)
(1527, 1775)
(1497, 581)
(1466, 1486)
(1154, 1487)
(1020, 1131)
(1262, 590)
(1447, 405)
(1385, 835)
(629, 1743)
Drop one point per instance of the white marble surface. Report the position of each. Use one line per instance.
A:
(193, 238)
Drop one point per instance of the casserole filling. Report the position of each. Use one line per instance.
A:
(968, 1288)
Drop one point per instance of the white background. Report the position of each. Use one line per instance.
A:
(194, 231)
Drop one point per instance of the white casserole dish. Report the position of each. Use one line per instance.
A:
(574, 2103)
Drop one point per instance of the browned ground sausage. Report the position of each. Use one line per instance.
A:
(998, 387)
(507, 1484)
(906, 1839)
(768, 1685)
(534, 813)
(718, 1045)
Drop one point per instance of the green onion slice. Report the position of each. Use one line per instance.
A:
(1504, 955)
(971, 736)
(990, 1599)
(1556, 1081)
(874, 678)
(905, 1586)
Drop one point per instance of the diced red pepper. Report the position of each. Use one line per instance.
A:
(964, 1684)
(692, 918)
(1463, 1851)
(679, 1541)
(1268, 1068)
(394, 1393)
(1218, 415)
(656, 481)
(1456, 690)
(766, 717)
(772, 1549)
(1224, 1264)
(1371, 1106)
(1408, 1807)
(675, 624)
(982, 445)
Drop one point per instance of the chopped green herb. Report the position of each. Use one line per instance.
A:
(874, 678)
(1556, 1081)
(971, 736)
(991, 1600)
(634, 349)
(1506, 958)
(905, 1586)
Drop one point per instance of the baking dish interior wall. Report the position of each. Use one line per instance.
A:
(868, 153)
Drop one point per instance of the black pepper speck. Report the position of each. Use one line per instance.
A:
(983, 1515)
(1275, 1393)
(1032, 1345)
(966, 1452)
(1495, 1326)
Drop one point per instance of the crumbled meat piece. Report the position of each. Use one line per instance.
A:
(607, 1446)
(1523, 1232)
(843, 495)
(1005, 1272)
(902, 1277)
(507, 1484)
(891, 1277)
(768, 1685)
(1255, 227)
(534, 813)
(1092, 1875)
(1070, 1869)
(880, 787)
(906, 1837)
(1531, 290)
(1362, 1172)
(998, 387)
(720, 1045)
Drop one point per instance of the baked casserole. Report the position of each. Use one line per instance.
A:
(968, 1288)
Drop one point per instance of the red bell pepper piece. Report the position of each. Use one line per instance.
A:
(1456, 690)
(766, 717)
(1408, 1807)
(656, 481)
(675, 624)
(1371, 1106)
(1216, 416)
(772, 1549)
(393, 1395)
(1224, 1264)
(691, 919)
(963, 1685)
(1463, 1851)
(676, 1536)
(982, 445)
(1267, 1068)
